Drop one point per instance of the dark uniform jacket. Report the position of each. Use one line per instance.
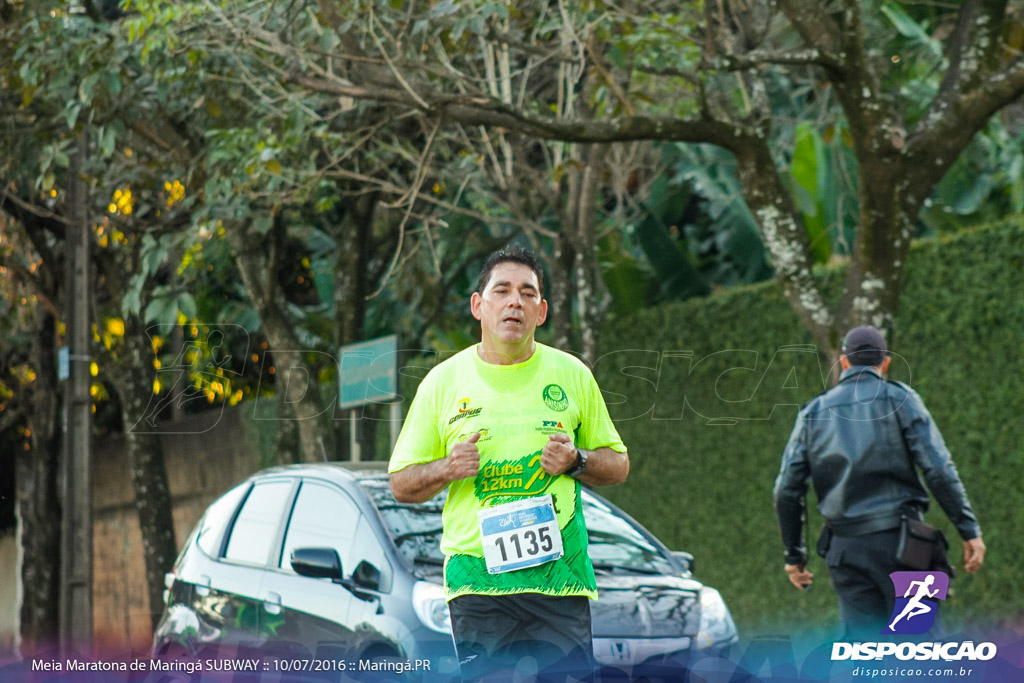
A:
(859, 442)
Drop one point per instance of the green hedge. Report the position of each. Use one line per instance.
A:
(705, 446)
(704, 393)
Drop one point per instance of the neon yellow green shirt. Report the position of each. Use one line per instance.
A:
(515, 408)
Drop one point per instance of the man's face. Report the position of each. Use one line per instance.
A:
(510, 308)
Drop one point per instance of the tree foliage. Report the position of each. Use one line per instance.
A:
(909, 93)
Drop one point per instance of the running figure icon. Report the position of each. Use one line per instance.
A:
(915, 606)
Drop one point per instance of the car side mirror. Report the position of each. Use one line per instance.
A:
(317, 563)
(685, 559)
(366, 576)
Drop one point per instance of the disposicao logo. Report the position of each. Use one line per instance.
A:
(914, 613)
(916, 596)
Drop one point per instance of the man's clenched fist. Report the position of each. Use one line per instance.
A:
(559, 454)
(464, 459)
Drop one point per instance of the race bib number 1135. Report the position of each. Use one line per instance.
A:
(520, 534)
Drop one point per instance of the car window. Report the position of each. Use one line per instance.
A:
(323, 517)
(255, 529)
(211, 529)
(616, 543)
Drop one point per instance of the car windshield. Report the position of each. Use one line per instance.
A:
(414, 527)
(615, 543)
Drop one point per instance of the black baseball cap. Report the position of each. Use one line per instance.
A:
(865, 345)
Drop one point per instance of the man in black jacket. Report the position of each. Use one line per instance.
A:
(859, 443)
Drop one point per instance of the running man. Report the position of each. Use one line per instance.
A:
(511, 427)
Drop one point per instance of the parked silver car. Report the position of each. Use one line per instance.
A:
(318, 567)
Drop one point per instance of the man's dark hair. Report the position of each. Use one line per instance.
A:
(513, 253)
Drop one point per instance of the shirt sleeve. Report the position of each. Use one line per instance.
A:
(596, 427)
(790, 487)
(420, 439)
(929, 452)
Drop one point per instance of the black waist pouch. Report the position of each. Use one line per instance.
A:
(921, 546)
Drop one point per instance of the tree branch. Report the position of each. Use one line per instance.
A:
(553, 54)
(940, 137)
(598, 62)
(816, 27)
(486, 111)
(412, 193)
(25, 276)
(36, 223)
(957, 43)
(10, 417)
(385, 186)
(689, 76)
(756, 58)
(970, 49)
(21, 209)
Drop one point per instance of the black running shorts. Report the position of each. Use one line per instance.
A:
(498, 634)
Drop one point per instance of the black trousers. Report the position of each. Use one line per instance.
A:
(495, 634)
(859, 567)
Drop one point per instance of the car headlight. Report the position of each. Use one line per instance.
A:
(716, 624)
(430, 606)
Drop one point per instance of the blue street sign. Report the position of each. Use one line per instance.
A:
(368, 372)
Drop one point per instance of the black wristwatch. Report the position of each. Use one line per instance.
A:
(581, 464)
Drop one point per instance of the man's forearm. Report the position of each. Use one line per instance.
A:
(790, 515)
(605, 466)
(420, 483)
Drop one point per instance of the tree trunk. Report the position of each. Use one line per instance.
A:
(585, 189)
(130, 370)
(39, 508)
(874, 275)
(133, 379)
(785, 237)
(297, 386)
(296, 380)
(561, 287)
(286, 439)
(352, 235)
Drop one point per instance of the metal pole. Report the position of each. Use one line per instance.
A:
(356, 448)
(76, 539)
(395, 422)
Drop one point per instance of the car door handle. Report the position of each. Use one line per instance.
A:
(272, 603)
(203, 585)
